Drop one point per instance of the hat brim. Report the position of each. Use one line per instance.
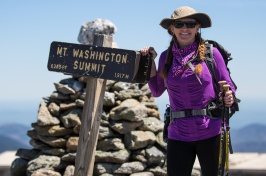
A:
(202, 18)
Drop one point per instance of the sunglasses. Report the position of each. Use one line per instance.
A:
(180, 24)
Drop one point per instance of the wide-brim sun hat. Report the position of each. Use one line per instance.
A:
(187, 12)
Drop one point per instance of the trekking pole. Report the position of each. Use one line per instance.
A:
(226, 88)
(227, 135)
(222, 136)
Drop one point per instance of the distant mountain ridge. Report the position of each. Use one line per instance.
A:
(7, 143)
(13, 136)
(251, 138)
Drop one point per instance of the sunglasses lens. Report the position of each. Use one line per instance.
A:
(191, 24)
(180, 24)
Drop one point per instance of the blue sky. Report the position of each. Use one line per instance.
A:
(29, 27)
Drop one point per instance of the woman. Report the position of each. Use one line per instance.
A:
(183, 72)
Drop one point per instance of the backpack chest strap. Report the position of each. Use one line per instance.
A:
(188, 113)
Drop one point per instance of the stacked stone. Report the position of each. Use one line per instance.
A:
(130, 135)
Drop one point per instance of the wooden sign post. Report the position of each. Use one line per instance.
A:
(99, 63)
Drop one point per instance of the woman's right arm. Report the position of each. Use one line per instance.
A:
(156, 83)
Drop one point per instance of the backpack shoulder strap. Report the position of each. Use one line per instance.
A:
(210, 65)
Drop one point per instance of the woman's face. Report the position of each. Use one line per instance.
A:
(185, 31)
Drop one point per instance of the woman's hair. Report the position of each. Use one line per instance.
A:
(169, 56)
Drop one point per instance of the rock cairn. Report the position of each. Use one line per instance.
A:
(130, 135)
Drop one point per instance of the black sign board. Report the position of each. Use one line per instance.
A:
(100, 62)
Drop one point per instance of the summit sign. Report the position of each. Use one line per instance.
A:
(95, 61)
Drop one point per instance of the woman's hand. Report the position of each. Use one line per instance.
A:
(148, 50)
(228, 98)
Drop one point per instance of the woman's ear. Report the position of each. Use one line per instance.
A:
(172, 29)
(198, 26)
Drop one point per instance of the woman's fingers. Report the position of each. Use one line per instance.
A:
(153, 52)
(228, 98)
(146, 50)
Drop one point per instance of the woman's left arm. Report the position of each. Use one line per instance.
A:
(222, 74)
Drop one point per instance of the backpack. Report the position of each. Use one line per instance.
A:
(216, 112)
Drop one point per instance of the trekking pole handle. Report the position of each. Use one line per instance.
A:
(222, 83)
(226, 87)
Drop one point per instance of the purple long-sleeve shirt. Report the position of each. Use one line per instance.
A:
(185, 92)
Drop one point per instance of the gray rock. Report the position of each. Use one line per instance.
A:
(36, 144)
(27, 154)
(75, 96)
(146, 90)
(124, 127)
(104, 123)
(105, 132)
(54, 151)
(158, 171)
(152, 105)
(107, 174)
(32, 134)
(54, 109)
(82, 95)
(110, 144)
(129, 93)
(101, 168)
(130, 110)
(142, 174)
(160, 141)
(109, 99)
(71, 118)
(78, 86)
(118, 157)
(44, 172)
(118, 86)
(67, 106)
(59, 96)
(109, 85)
(72, 144)
(151, 124)
(139, 155)
(71, 157)
(68, 81)
(130, 167)
(53, 141)
(155, 157)
(44, 116)
(98, 26)
(64, 89)
(43, 162)
(76, 129)
(139, 139)
(79, 103)
(69, 170)
(19, 167)
(56, 130)
(154, 113)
